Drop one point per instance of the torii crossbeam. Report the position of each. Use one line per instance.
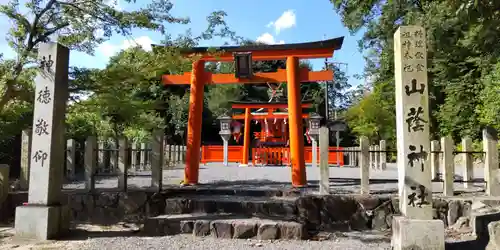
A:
(293, 75)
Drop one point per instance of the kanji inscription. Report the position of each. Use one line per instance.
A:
(44, 96)
(40, 157)
(46, 63)
(41, 127)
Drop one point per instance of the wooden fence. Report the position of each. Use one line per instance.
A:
(105, 156)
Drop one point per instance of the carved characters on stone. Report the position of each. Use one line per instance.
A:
(41, 127)
(40, 156)
(46, 63)
(418, 196)
(44, 96)
(408, 54)
(414, 156)
(414, 120)
(414, 89)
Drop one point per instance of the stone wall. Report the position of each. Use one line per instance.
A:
(329, 212)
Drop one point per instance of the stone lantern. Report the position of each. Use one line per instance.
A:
(225, 134)
(314, 125)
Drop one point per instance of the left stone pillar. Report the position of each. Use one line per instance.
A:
(193, 141)
(44, 217)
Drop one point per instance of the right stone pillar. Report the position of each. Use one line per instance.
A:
(415, 229)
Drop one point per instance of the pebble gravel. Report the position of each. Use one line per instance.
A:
(189, 242)
(117, 237)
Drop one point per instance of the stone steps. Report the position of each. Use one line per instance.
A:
(224, 226)
(283, 208)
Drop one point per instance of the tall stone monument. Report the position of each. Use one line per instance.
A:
(415, 229)
(44, 217)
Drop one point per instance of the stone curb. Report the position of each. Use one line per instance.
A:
(226, 228)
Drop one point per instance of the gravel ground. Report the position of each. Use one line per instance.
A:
(91, 240)
(343, 180)
(187, 242)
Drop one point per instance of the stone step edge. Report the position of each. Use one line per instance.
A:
(235, 198)
(182, 191)
(272, 209)
(224, 226)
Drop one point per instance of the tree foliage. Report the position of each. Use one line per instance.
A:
(461, 38)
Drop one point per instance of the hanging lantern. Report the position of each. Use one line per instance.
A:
(236, 130)
(307, 136)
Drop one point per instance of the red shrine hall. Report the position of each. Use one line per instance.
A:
(268, 146)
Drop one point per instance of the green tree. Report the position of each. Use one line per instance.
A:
(76, 24)
(489, 109)
(461, 49)
(373, 116)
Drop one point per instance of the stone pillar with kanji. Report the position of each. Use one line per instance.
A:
(43, 217)
(415, 228)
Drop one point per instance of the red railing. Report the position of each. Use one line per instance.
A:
(277, 156)
(264, 155)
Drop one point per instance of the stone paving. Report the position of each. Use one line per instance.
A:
(344, 180)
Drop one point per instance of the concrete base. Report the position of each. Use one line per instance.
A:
(41, 222)
(417, 234)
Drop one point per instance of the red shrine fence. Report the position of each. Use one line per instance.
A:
(266, 156)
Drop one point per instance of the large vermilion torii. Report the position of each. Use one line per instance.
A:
(293, 75)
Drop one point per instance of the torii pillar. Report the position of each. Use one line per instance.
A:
(193, 140)
(297, 161)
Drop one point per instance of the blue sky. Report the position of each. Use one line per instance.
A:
(278, 21)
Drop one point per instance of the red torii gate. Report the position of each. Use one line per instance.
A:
(293, 75)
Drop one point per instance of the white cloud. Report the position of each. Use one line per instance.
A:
(268, 39)
(114, 3)
(285, 21)
(107, 49)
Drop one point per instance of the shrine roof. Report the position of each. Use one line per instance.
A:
(270, 103)
(242, 105)
(316, 49)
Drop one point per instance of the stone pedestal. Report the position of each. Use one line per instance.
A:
(314, 145)
(4, 182)
(225, 135)
(157, 160)
(324, 170)
(226, 150)
(364, 165)
(417, 234)
(24, 178)
(42, 222)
